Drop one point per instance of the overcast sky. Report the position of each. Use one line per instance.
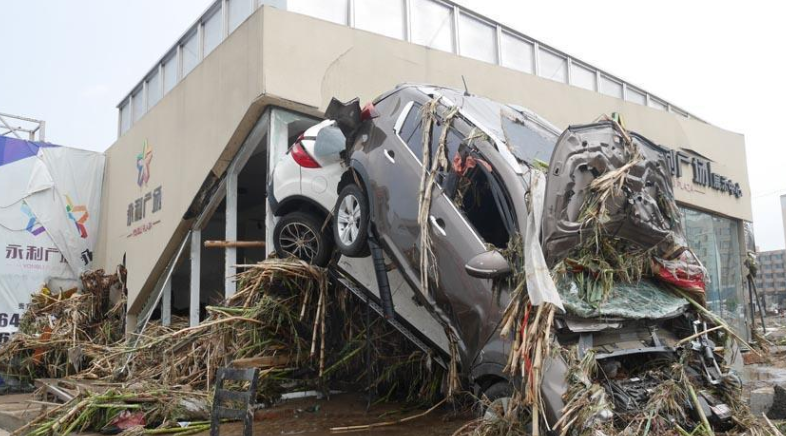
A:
(70, 63)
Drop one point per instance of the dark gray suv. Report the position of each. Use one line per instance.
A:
(477, 206)
(474, 224)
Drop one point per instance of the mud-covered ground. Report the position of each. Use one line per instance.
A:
(313, 417)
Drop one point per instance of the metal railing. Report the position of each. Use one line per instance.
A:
(10, 126)
(439, 24)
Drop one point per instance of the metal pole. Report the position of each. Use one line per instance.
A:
(196, 259)
(166, 304)
(230, 255)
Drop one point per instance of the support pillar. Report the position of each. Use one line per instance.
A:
(166, 303)
(196, 260)
(230, 233)
(130, 324)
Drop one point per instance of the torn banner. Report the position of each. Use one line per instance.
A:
(49, 207)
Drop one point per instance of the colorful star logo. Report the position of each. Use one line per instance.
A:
(33, 226)
(143, 160)
(73, 211)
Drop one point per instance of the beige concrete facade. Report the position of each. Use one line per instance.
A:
(290, 60)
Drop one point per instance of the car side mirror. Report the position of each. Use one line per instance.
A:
(488, 265)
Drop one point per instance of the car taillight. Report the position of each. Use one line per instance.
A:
(302, 157)
(369, 112)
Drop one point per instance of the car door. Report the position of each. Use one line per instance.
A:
(394, 175)
(456, 239)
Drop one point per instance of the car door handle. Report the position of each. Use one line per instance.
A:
(391, 155)
(439, 224)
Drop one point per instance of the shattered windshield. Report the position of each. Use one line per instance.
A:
(640, 300)
(527, 141)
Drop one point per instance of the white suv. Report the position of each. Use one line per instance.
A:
(303, 192)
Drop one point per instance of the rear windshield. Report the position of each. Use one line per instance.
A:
(525, 141)
(330, 141)
(528, 141)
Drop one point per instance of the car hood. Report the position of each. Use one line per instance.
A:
(645, 215)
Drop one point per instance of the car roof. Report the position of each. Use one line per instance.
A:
(484, 113)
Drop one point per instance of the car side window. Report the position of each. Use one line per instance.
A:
(412, 131)
(452, 142)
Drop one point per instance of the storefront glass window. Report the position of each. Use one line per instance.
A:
(477, 39)
(212, 31)
(330, 10)
(517, 53)
(239, 10)
(385, 17)
(715, 240)
(432, 24)
(553, 66)
(190, 53)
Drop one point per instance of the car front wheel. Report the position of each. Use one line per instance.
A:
(298, 234)
(350, 223)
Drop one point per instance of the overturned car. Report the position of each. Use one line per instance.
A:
(556, 264)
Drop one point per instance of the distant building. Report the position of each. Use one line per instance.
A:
(771, 279)
(783, 212)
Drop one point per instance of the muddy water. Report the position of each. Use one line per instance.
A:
(316, 417)
(757, 376)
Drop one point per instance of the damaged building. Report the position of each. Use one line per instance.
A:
(200, 134)
(541, 234)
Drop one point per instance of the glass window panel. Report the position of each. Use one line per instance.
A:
(412, 131)
(153, 89)
(125, 118)
(714, 240)
(582, 76)
(329, 10)
(212, 32)
(610, 87)
(477, 39)
(432, 24)
(239, 10)
(517, 53)
(190, 50)
(385, 17)
(138, 105)
(657, 104)
(170, 74)
(636, 96)
(553, 66)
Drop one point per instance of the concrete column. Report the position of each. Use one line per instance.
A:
(130, 324)
(166, 303)
(230, 233)
(196, 259)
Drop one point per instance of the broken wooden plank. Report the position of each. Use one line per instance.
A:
(261, 362)
(234, 244)
(51, 388)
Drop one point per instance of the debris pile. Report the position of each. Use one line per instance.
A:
(623, 241)
(60, 334)
(284, 319)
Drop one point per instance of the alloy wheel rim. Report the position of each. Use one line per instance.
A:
(497, 407)
(349, 220)
(299, 240)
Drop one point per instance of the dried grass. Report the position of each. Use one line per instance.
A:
(313, 336)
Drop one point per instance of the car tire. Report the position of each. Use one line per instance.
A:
(300, 235)
(498, 395)
(351, 221)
